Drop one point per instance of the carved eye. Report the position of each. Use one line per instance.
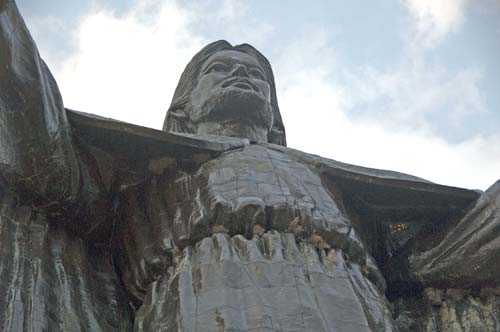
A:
(257, 74)
(217, 68)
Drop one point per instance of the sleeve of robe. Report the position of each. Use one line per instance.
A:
(51, 278)
(435, 235)
(36, 152)
(469, 254)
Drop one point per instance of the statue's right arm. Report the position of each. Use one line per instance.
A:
(36, 153)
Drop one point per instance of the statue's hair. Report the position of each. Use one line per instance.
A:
(178, 119)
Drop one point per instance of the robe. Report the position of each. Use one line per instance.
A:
(106, 226)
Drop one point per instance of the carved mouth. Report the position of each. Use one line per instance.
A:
(241, 83)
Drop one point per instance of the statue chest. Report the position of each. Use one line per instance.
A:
(252, 187)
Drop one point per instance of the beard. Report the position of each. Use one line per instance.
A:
(234, 105)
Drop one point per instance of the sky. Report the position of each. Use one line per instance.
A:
(405, 85)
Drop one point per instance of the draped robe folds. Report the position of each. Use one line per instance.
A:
(106, 226)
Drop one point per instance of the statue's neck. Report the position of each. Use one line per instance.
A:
(233, 128)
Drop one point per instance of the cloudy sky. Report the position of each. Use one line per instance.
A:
(406, 85)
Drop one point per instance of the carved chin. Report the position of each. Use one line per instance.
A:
(235, 104)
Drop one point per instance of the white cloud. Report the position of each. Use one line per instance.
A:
(315, 114)
(434, 19)
(410, 95)
(127, 68)
(316, 110)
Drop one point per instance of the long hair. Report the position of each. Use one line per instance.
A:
(177, 118)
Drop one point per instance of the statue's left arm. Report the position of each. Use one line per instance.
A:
(419, 231)
(469, 254)
(36, 152)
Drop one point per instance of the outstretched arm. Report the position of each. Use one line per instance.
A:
(418, 231)
(36, 153)
(469, 255)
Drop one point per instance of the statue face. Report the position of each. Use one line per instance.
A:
(232, 89)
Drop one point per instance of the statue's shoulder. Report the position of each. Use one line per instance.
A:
(128, 141)
(324, 164)
(359, 178)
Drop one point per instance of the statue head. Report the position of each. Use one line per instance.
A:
(227, 90)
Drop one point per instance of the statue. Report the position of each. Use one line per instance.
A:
(214, 224)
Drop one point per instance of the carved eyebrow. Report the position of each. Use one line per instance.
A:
(210, 64)
(259, 69)
(249, 66)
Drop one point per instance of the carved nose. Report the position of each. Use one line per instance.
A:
(240, 70)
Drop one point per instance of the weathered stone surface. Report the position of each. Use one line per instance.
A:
(215, 225)
(474, 242)
(51, 280)
(454, 310)
(269, 282)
